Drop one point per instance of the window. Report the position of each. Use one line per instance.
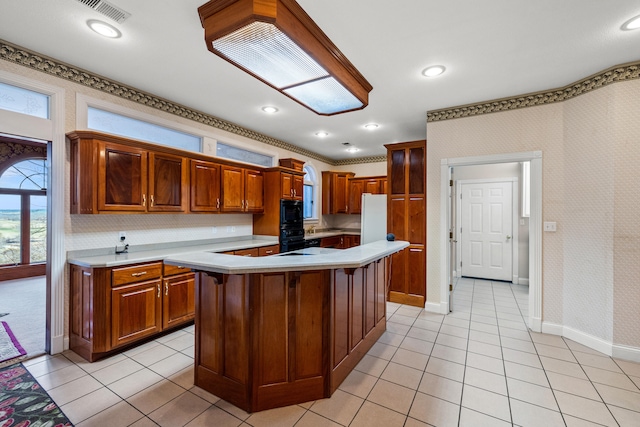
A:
(24, 101)
(309, 207)
(234, 153)
(119, 124)
(23, 208)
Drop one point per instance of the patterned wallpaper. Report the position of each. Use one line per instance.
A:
(591, 184)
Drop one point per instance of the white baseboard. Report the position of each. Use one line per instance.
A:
(626, 353)
(535, 324)
(523, 280)
(59, 344)
(434, 307)
(598, 344)
(590, 341)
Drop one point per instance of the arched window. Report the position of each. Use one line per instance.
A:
(310, 187)
(23, 207)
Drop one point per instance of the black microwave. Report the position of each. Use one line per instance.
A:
(291, 213)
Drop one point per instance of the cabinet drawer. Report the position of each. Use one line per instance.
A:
(268, 250)
(247, 252)
(136, 273)
(170, 270)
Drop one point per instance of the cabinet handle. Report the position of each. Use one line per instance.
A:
(142, 273)
(166, 288)
(158, 286)
(218, 203)
(144, 200)
(268, 252)
(244, 204)
(151, 200)
(247, 255)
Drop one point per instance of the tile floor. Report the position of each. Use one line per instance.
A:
(478, 366)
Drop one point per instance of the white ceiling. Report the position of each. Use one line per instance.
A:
(491, 48)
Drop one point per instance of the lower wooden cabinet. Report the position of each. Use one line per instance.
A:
(115, 307)
(344, 241)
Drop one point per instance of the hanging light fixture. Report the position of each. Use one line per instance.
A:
(278, 43)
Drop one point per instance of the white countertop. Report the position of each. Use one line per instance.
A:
(310, 259)
(113, 260)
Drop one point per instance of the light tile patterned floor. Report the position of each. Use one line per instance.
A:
(478, 366)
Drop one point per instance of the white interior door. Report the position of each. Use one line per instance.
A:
(486, 230)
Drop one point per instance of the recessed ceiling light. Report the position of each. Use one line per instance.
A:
(322, 134)
(433, 71)
(631, 24)
(104, 29)
(353, 149)
(371, 126)
(270, 110)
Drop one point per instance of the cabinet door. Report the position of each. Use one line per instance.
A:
(136, 312)
(341, 194)
(298, 187)
(122, 178)
(383, 186)
(372, 186)
(330, 242)
(356, 188)
(286, 185)
(178, 305)
(232, 189)
(168, 183)
(254, 191)
(253, 252)
(205, 186)
(268, 250)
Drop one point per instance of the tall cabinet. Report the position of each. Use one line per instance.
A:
(407, 219)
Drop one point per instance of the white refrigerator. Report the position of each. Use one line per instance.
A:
(373, 220)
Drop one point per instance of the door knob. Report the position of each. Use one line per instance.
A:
(508, 236)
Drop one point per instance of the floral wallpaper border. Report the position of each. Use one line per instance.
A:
(619, 73)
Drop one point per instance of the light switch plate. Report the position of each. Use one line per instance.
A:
(550, 226)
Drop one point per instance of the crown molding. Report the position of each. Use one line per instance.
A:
(619, 73)
(18, 55)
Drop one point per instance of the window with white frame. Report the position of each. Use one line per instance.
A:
(25, 101)
(310, 186)
(231, 152)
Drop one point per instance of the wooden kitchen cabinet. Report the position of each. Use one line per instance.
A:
(335, 192)
(108, 174)
(279, 183)
(242, 189)
(343, 241)
(358, 186)
(114, 307)
(406, 218)
(205, 186)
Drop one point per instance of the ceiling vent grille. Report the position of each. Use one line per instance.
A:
(107, 9)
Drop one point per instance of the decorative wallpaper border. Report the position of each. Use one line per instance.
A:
(619, 73)
(18, 55)
(357, 161)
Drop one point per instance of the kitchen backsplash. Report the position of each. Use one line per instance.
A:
(99, 231)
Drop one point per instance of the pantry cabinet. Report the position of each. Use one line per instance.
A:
(406, 218)
(113, 307)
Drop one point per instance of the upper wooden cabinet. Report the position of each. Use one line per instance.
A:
(111, 174)
(205, 186)
(279, 183)
(358, 186)
(335, 192)
(242, 189)
(406, 218)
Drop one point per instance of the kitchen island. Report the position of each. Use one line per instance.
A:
(288, 328)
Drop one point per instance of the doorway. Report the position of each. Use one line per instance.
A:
(447, 222)
(23, 241)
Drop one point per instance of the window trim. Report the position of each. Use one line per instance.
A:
(312, 172)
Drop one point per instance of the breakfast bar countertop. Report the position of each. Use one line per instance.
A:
(300, 260)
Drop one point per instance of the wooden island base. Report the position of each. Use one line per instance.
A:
(266, 340)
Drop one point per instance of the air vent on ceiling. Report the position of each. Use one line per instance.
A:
(107, 9)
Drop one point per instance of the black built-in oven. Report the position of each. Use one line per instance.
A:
(291, 225)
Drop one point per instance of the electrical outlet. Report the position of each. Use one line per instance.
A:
(549, 226)
(233, 229)
(215, 230)
(122, 235)
(229, 229)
